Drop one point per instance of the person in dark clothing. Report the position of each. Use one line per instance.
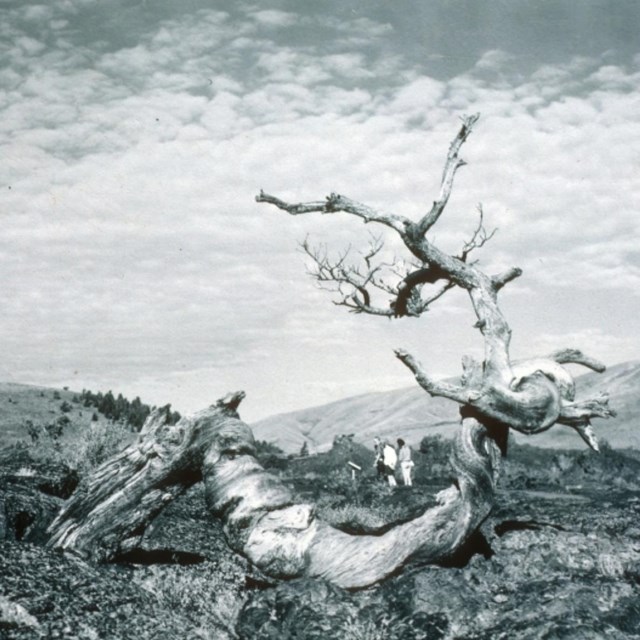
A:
(379, 460)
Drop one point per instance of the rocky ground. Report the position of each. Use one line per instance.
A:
(558, 558)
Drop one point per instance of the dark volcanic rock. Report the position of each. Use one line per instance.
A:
(70, 599)
(186, 526)
(25, 513)
(315, 610)
(31, 494)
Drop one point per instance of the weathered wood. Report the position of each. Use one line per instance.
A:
(496, 396)
(108, 514)
(109, 511)
(529, 397)
(285, 539)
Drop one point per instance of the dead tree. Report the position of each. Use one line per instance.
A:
(109, 512)
(526, 396)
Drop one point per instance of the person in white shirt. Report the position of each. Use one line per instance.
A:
(406, 464)
(390, 458)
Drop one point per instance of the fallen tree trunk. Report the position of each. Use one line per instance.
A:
(109, 512)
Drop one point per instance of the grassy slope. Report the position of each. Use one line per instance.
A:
(412, 414)
(19, 403)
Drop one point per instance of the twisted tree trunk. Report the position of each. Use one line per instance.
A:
(530, 397)
(109, 512)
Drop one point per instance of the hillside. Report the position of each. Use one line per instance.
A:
(412, 414)
(409, 413)
(20, 403)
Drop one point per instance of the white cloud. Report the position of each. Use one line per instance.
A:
(133, 250)
(274, 18)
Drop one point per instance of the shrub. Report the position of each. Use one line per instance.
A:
(436, 448)
(34, 431)
(54, 430)
(90, 447)
(99, 443)
(65, 407)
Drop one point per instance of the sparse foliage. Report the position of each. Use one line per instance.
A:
(133, 412)
(436, 448)
(89, 447)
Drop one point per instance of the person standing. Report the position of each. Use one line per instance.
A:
(406, 463)
(390, 458)
(379, 461)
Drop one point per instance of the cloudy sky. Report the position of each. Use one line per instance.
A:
(134, 137)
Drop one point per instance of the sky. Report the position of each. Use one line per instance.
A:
(134, 137)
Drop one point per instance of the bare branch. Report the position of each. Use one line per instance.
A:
(578, 416)
(575, 356)
(431, 386)
(409, 289)
(338, 274)
(376, 245)
(529, 396)
(581, 412)
(586, 433)
(507, 276)
(422, 304)
(453, 163)
(479, 238)
(335, 203)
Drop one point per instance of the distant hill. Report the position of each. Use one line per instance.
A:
(20, 403)
(412, 414)
(408, 413)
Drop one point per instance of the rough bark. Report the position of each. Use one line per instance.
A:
(109, 512)
(496, 395)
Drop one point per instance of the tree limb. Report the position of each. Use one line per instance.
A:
(334, 203)
(452, 164)
(110, 511)
(479, 238)
(575, 356)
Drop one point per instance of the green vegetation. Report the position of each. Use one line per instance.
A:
(89, 446)
(133, 412)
